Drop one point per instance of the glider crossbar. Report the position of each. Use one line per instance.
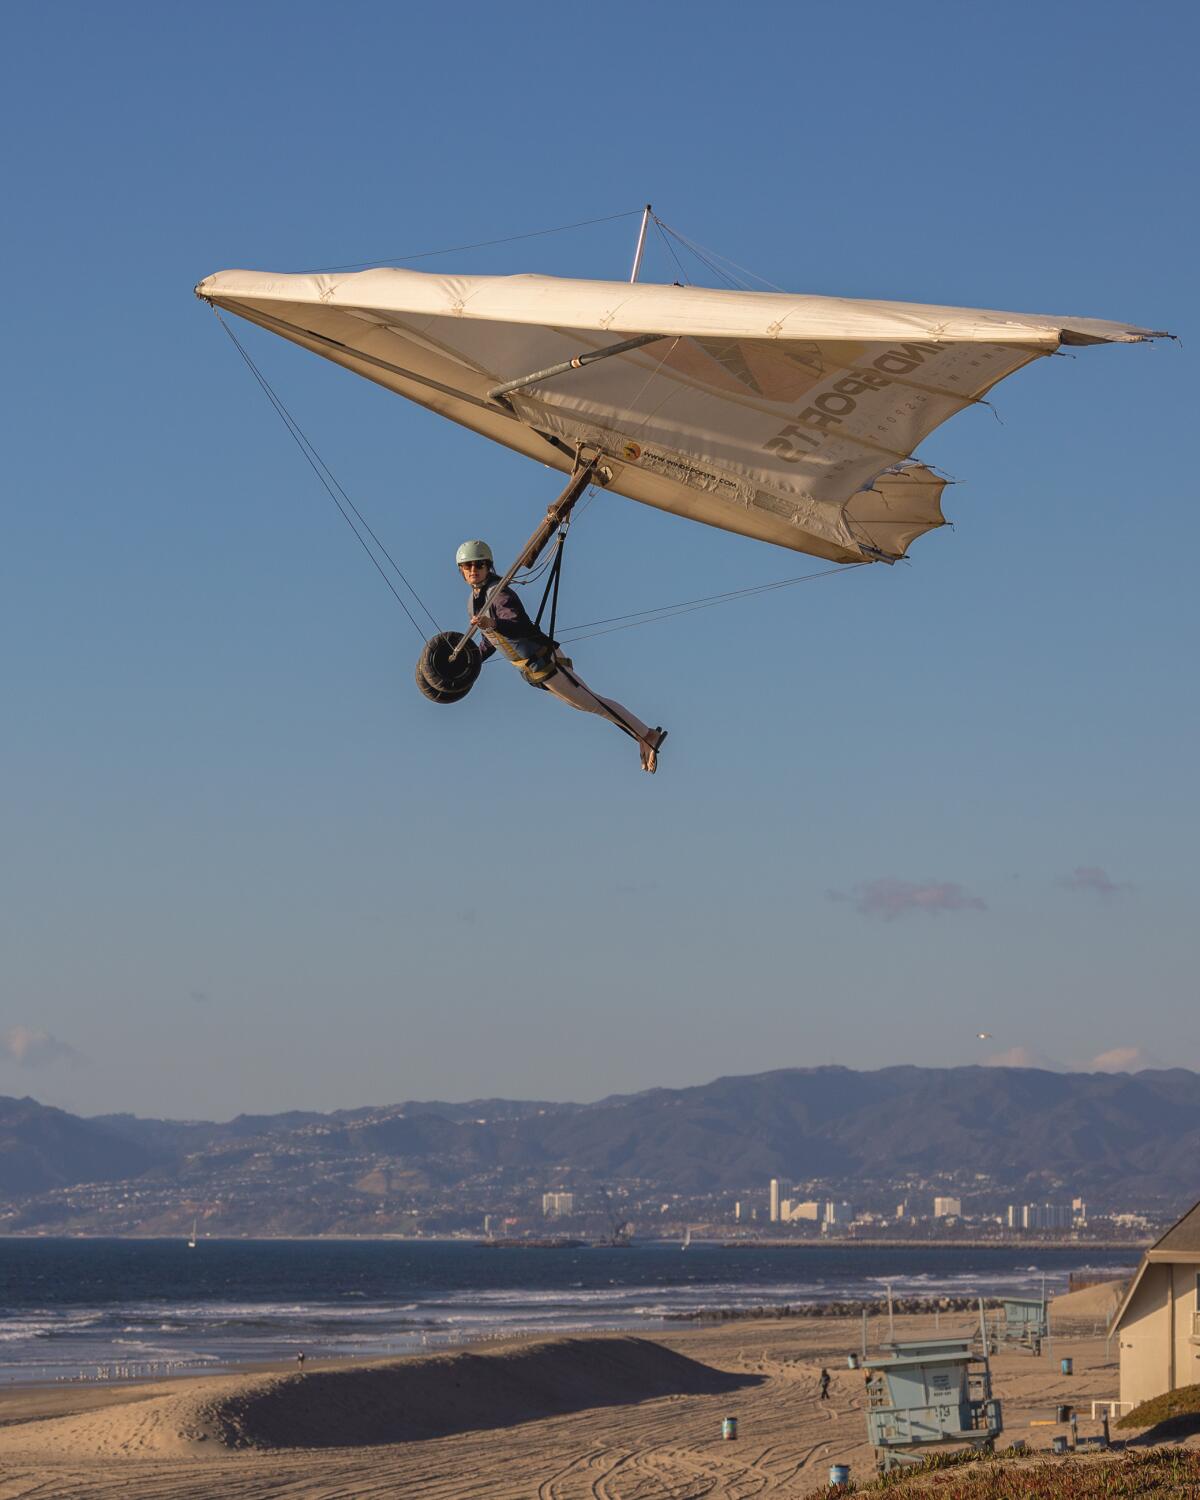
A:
(531, 551)
(576, 362)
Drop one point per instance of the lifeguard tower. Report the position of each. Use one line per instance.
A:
(927, 1394)
(1025, 1324)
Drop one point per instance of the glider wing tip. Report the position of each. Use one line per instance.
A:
(1122, 334)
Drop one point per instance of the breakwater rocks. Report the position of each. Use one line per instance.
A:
(873, 1307)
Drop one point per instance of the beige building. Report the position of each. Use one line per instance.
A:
(792, 1209)
(1158, 1320)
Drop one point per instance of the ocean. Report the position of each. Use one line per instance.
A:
(74, 1309)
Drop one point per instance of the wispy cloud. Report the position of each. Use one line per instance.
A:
(29, 1048)
(1119, 1060)
(1023, 1057)
(1092, 878)
(888, 899)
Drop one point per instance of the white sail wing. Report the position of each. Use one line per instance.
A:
(791, 419)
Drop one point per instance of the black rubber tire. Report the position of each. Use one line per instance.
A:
(436, 695)
(448, 676)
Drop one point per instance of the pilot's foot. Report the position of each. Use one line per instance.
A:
(650, 747)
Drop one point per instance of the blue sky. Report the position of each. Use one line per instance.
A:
(249, 867)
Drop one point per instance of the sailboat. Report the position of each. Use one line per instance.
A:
(192, 1237)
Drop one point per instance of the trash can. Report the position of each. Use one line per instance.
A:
(729, 1429)
(852, 1361)
(1067, 1367)
(839, 1474)
(1060, 1444)
(1063, 1414)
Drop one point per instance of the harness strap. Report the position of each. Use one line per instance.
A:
(551, 590)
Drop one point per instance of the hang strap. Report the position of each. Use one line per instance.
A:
(550, 592)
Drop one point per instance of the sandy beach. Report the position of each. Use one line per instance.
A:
(589, 1418)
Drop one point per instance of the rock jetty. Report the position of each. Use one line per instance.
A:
(853, 1309)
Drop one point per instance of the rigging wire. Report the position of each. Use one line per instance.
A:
(542, 567)
(732, 282)
(589, 500)
(701, 252)
(321, 469)
(669, 243)
(689, 606)
(479, 244)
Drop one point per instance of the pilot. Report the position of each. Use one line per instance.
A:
(507, 628)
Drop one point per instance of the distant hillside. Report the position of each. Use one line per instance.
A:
(1013, 1124)
(44, 1148)
(1113, 1137)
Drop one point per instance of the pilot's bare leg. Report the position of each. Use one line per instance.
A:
(567, 685)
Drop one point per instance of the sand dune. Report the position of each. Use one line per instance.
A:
(1093, 1304)
(392, 1401)
(595, 1418)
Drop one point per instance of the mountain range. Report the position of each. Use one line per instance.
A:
(1114, 1138)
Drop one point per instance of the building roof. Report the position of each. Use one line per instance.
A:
(1181, 1241)
(920, 1347)
(1183, 1235)
(958, 1354)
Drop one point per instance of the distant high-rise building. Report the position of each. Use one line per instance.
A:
(815, 1211)
(737, 1213)
(792, 1209)
(774, 1200)
(902, 1210)
(1040, 1216)
(558, 1205)
(947, 1208)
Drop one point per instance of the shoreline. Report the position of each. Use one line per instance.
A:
(856, 1311)
(623, 1415)
(705, 1242)
(282, 1309)
(662, 1325)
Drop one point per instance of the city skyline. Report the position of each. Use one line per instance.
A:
(813, 1155)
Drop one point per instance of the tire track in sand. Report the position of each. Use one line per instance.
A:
(560, 1485)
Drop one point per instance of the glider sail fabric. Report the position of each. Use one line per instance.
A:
(791, 419)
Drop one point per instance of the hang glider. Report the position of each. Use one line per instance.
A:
(791, 419)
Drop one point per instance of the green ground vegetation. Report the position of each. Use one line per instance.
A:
(1184, 1402)
(1164, 1473)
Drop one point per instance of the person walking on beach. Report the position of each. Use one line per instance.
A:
(824, 1382)
(507, 628)
(300, 1359)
